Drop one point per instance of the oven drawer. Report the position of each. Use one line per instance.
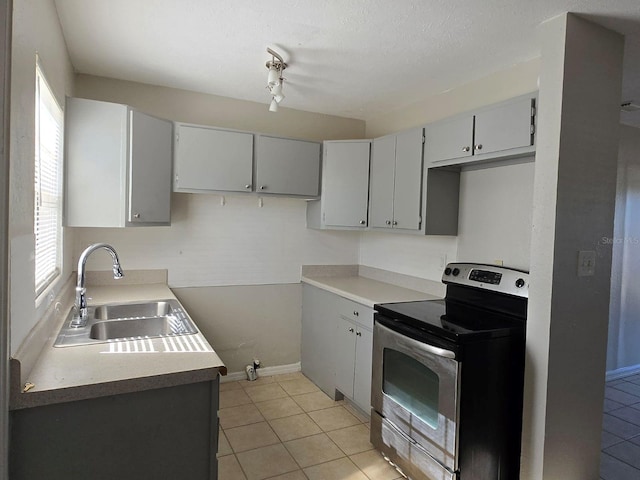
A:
(413, 460)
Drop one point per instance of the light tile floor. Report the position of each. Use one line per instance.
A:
(620, 458)
(283, 427)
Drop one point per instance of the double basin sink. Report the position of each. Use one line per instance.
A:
(127, 321)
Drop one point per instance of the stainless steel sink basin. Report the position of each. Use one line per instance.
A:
(138, 327)
(127, 321)
(133, 310)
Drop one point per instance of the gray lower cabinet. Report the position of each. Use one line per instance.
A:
(505, 129)
(354, 345)
(319, 313)
(337, 345)
(212, 159)
(345, 186)
(285, 166)
(164, 433)
(117, 166)
(396, 181)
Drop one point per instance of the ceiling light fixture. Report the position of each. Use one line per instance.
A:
(274, 79)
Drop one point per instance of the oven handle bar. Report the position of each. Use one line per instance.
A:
(440, 352)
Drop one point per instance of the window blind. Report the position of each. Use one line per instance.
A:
(48, 188)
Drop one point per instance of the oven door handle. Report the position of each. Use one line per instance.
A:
(425, 347)
(441, 352)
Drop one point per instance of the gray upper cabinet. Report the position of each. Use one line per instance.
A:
(502, 130)
(118, 166)
(381, 183)
(211, 159)
(449, 139)
(287, 167)
(345, 186)
(408, 180)
(505, 127)
(396, 181)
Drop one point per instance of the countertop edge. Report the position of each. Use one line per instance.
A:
(324, 284)
(343, 293)
(118, 387)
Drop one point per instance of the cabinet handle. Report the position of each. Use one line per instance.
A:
(388, 222)
(362, 222)
(351, 330)
(359, 334)
(479, 146)
(263, 187)
(247, 186)
(355, 312)
(136, 215)
(395, 223)
(466, 149)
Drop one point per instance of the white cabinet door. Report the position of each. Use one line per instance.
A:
(287, 167)
(116, 166)
(383, 164)
(319, 316)
(504, 127)
(345, 353)
(362, 376)
(449, 139)
(346, 183)
(209, 159)
(408, 180)
(150, 169)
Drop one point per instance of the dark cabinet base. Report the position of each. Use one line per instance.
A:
(167, 433)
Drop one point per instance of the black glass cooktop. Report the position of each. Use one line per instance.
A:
(454, 321)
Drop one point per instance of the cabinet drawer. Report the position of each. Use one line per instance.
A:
(355, 312)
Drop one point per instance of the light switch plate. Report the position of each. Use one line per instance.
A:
(586, 263)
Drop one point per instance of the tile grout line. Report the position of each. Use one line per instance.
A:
(267, 421)
(621, 381)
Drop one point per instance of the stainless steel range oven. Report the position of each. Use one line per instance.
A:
(447, 377)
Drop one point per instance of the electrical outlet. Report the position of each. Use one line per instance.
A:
(586, 263)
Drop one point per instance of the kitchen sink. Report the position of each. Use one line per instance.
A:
(132, 310)
(127, 321)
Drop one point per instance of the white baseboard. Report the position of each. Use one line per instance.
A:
(622, 372)
(262, 372)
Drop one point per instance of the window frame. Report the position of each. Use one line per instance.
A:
(44, 285)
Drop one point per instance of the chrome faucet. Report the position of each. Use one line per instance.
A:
(81, 302)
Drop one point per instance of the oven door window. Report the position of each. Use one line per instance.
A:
(412, 385)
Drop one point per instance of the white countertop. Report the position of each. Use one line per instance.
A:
(88, 371)
(366, 291)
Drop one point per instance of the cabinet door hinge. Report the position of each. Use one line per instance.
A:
(533, 111)
(424, 139)
(533, 129)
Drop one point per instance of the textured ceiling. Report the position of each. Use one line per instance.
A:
(352, 58)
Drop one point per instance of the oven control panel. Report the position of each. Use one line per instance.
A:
(488, 277)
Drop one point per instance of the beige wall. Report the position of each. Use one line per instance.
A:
(192, 107)
(517, 80)
(35, 30)
(247, 322)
